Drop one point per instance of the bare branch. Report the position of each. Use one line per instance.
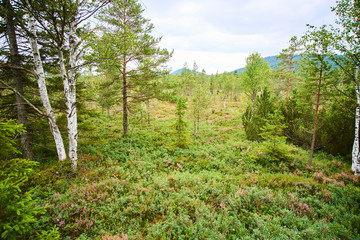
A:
(27, 101)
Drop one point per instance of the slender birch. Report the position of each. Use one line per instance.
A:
(347, 41)
(355, 153)
(43, 90)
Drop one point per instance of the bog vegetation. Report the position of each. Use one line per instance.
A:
(266, 153)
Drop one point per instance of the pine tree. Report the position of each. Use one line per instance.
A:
(288, 62)
(317, 71)
(128, 53)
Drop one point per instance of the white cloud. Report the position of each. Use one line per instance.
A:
(227, 30)
(212, 62)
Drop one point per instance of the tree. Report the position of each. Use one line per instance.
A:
(181, 124)
(200, 102)
(347, 40)
(10, 15)
(316, 69)
(256, 74)
(273, 128)
(61, 20)
(43, 90)
(288, 62)
(126, 50)
(185, 77)
(253, 122)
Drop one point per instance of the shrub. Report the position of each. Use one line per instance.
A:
(264, 105)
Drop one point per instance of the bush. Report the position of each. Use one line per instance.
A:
(253, 122)
(18, 211)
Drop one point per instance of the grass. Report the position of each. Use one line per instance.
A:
(220, 187)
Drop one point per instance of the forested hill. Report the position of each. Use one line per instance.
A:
(273, 61)
(179, 71)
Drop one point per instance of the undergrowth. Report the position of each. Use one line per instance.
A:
(219, 187)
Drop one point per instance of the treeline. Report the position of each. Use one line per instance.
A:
(289, 97)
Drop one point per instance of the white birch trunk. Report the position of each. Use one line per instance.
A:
(355, 153)
(43, 91)
(72, 114)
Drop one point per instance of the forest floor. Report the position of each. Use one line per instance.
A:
(221, 186)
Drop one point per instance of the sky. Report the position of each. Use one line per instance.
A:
(219, 34)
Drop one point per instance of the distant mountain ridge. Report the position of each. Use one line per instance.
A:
(179, 71)
(272, 60)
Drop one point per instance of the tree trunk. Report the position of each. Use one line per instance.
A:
(316, 119)
(43, 91)
(355, 153)
(18, 80)
(198, 121)
(148, 112)
(289, 78)
(125, 106)
(72, 111)
(195, 128)
(253, 108)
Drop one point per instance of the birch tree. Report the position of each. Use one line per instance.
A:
(256, 74)
(43, 90)
(347, 41)
(61, 20)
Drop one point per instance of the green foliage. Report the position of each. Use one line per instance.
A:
(334, 136)
(255, 76)
(156, 184)
(8, 131)
(254, 122)
(18, 210)
(200, 102)
(181, 123)
(293, 116)
(273, 129)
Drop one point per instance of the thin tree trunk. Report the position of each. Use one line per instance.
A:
(316, 119)
(252, 109)
(355, 153)
(179, 132)
(195, 124)
(125, 106)
(198, 121)
(148, 112)
(18, 80)
(108, 112)
(72, 111)
(289, 78)
(43, 91)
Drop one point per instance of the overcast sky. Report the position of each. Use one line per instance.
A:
(220, 34)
